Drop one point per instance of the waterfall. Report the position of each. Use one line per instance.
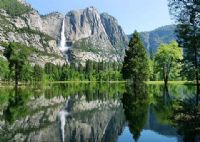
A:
(63, 46)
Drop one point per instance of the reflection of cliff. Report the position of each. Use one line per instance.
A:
(153, 124)
(35, 115)
(98, 120)
(94, 121)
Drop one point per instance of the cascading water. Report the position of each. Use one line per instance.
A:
(63, 46)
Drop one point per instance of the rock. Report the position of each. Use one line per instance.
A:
(27, 29)
(34, 20)
(19, 137)
(51, 24)
(116, 35)
(104, 37)
(101, 30)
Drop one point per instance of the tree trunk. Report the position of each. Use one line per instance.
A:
(16, 75)
(197, 87)
(197, 77)
(165, 77)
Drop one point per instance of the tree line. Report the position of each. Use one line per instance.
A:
(17, 68)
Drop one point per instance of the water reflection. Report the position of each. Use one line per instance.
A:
(135, 104)
(186, 117)
(149, 112)
(63, 113)
(106, 112)
(16, 105)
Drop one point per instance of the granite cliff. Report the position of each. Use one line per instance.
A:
(90, 35)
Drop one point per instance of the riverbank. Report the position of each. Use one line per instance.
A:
(171, 82)
(11, 84)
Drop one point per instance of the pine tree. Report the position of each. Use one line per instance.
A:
(38, 73)
(135, 65)
(17, 56)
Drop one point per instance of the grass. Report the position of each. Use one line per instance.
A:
(71, 81)
(170, 82)
(11, 84)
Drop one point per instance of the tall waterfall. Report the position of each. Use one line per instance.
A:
(63, 46)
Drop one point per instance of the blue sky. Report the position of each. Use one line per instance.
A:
(141, 15)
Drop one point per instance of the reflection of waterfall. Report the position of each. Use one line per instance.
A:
(62, 117)
(63, 46)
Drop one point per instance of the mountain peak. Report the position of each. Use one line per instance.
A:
(92, 8)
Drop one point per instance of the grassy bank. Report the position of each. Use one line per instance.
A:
(11, 84)
(170, 82)
(87, 82)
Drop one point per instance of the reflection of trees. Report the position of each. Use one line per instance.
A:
(187, 120)
(92, 91)
(135, 104)
(16, 105)
(163, 106)
(164, 100)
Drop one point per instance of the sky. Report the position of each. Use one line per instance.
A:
(140, 15)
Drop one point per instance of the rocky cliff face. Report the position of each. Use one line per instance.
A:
(115, 33)
(105, 39)
(90, 34)
(153, 39)
(49, 24)
(19, 29)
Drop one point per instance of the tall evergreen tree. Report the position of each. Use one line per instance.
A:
(187, 15)
(135, 65)
(17, 55)
(38, 73)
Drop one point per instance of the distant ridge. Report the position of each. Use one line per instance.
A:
(154, 38)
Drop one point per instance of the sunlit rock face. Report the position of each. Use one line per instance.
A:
(92, 36)
(86, 31)
(27, 29)
(115, 33)
(88, 27)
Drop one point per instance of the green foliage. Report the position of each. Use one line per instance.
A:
(4, 69)
(187, 13)
(135, 65)
(167, 60)
(38, 73)
(17, 56)
(13, 7)
(93, 71)
(16, 108)
(27, 73)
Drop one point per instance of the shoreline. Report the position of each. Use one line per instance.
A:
(12, 84)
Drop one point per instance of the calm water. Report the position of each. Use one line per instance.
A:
(94, 113)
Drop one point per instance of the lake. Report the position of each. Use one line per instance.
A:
(97, 112)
